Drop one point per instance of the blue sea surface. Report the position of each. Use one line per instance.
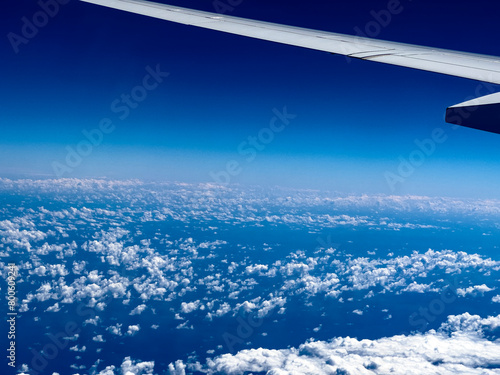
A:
(288, 266)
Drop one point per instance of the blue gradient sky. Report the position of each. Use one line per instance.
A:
(354, 119)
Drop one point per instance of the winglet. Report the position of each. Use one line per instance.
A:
(481, 113)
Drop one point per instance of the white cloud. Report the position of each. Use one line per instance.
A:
(257, 268)
(130, 367)
(267, 306)
(177, 368)
(223, 309)
(474, 290)
(116, 329)
(77, 349)
(53, 308)
(470, 324)
(430, 353)
(133, 329)
(185, 325)
(127, 263)
(417, 288)
(189, 307)
(138, 310)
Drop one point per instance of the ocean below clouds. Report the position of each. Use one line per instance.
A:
(132, 277)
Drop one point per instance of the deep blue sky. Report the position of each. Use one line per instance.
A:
(354, 118)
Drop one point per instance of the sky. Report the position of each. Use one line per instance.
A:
(349, 126)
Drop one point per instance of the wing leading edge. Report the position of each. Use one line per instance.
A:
(460, 64)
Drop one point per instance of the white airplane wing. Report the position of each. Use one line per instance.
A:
(482, 113)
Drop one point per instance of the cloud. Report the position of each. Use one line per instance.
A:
(177, 368)
(132, 330)
(98, 338)
(77, 349)
(116, 329)
(474, 290)
(53, 308)
(185, 325)
(138, 310)
(189, 307)
(459, 352)
(112, 257)
(418, 288)
(260, 269)
(223, 309)
(130, 367)
(468, 323)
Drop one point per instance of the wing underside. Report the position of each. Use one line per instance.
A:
(466, 65)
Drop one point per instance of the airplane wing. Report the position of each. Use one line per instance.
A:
(482, 113)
